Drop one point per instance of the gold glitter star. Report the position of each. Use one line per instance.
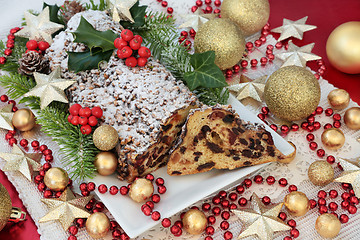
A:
(39, 27)
(66, 208)
(120, 9)
(50, 88)
(6, 117)
(294, 29)
(253, 89)
(25, 163)
(298, 56)
(261, 220)
(350, 175)
(196, 19)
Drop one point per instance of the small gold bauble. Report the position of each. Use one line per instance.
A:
(292, 93)
(224, 38)
(141, 189)
(105, 137)
(97, 225)
(328, 225)
(343, 47)
(289, 158)
(23, 119)
(249, 15)
(56, 179)
(352, 118)
(194, 221)
(105, 163)
(296, 203)
(321, 173)
(333, 138)
(5, 206)
(339, 99)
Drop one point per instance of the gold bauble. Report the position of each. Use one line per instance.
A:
(194, 221)
(333, 138)
(105, 137)
(289, 158)
(292, 93)
(328, 225)
(97, 225)
(352, 118)
(224, 38)
(339, 99)
(5, 206)
(23, 119)
(296, 203)
(141, 189)
(56, 179)
(105, 163)
(249, 15)
(343, 47)
(320, 173)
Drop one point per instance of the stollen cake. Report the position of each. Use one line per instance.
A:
(215, 137)
(147, 106)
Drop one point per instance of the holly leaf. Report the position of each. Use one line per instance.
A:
(138, 14)
(206, 73)
(53, 9)
(81, 61)
(93, 38)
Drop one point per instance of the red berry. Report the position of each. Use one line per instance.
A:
(97, 112)
(69, 118)
(126, 52)
(74, 109)
(32, 45)
(144, 52)
(92, 121)
(8, 52)
(134, 44)
(120, 54)
(85, 112)
(127, 35)
(138, 38)
(86, 129)
(75, 120)
(142, 61)
(83, 121)
(119, 43)
(2, 60)
(43, 45)
(131, 62)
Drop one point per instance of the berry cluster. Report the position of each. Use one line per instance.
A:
(40, 47)
(129, 46)
(86, 117)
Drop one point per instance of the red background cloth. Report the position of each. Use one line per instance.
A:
(325, 14)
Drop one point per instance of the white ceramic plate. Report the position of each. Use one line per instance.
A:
(182, 191)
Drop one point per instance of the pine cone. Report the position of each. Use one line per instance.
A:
(71, 8)
(33, 62)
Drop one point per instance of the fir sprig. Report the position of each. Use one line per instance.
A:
(78, 149)
(101, 6)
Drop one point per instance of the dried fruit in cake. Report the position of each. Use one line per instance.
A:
(215, 137)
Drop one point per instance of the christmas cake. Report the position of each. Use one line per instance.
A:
(147, 106)
(215, 137)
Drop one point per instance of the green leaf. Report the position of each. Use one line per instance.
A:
(206, 73)
(88, 35)
(138, 14)
(80, 61)
(54, 9)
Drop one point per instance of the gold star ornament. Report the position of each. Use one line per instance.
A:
(298, 56)
(25, 163)
(39, 27)
(120, 9)
(260, 220)
(6, 116)
(50, 88)
(294, 29)
(252, 89)
(350, 175)
(66, 208)
(196, 19)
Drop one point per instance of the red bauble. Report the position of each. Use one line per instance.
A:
(216, 200)
(4, 98)
(292, 223)
(312, 203)
(344, 218)
(8, 52)
(127, 35)
(91, 186)
(73, 230)
(102, 188)
(216, 211)
(282, 216)
(225, 203)
(124, 190)
(233, 196)
(292, 188)
(72, 237)
(228, 235)
(270, 180)
(150, 204)
(240, 189)
(294, 233)
(146, 209)
(333, 206)
(310, 137)
(211, 219)
(320, 153)
(159, 181)
(323, 209)
(313, 145)
(46, 166)
(113, 190)
(345, 196)
(161, 189)
(322, 194)
(155, 216)
(209, 230)
(330, 159)
(329, 112)
(242, 202)
(41, 187)
(244, 63)
(12, 141)
(258, 179)
(352, 209)
(48, 194)
(266, 200)
(24, 142)
(224, 225)
(283, 182)
(32, 45)
(155, 198)
(225, 215)
(321, 202)
(206, 207)
(333, 193)
(247, 182)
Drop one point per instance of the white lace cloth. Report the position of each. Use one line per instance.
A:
(295, 172)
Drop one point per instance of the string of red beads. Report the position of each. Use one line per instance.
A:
(10, 44)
